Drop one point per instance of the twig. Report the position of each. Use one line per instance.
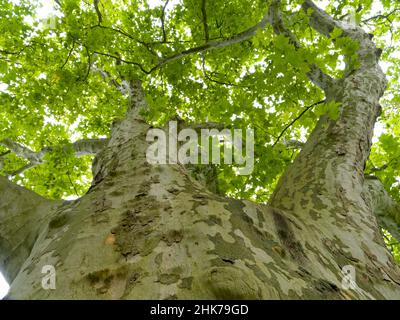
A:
(69, 55)
(381, 16)
(96, 7)
(164, 34)
(295, 119)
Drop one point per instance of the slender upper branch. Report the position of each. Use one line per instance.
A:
(382, 16)
(316, 75)
(212, 45)
(80, 147)
(205, 24)
(96, 7)
(164, 34)
(295, 119)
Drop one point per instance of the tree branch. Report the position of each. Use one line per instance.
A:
(205, 24)
(22, 215)
(212, 45)
(96, 7)
(126, 61)
(381, 16)
(123, 87)
(68, 56)
(295, 119)
(322, 22)
(224, 83)
(293, 144)
(164, 34)
(385, 166)
(387, 210)
(242, 36)
(80, 147)
(316, 75)
(22, 151)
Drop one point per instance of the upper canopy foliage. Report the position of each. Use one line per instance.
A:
(61, 78)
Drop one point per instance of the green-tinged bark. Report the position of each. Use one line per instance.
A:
(153, 232)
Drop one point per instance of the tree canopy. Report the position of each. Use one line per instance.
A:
(62, 80)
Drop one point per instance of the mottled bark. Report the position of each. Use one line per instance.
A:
(153, 232)
(146, 231)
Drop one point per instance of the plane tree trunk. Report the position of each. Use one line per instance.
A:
(153, 232)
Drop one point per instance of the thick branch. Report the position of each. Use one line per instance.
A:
(316, 75)
(22, 151)
(322, 22)
(387, 210)
(88, 146)
(22, 214)
(293, 144)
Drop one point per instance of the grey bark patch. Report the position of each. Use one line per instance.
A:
(260, 217)
(132, 232)
(158, 259)
(186, 283)
(168, 278)
(240, 220)
(231, 251)
(287, 237)
(58, 221)
(173, 236)
(214, 220)
(229, 282)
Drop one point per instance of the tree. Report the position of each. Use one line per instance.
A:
(97, 76)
